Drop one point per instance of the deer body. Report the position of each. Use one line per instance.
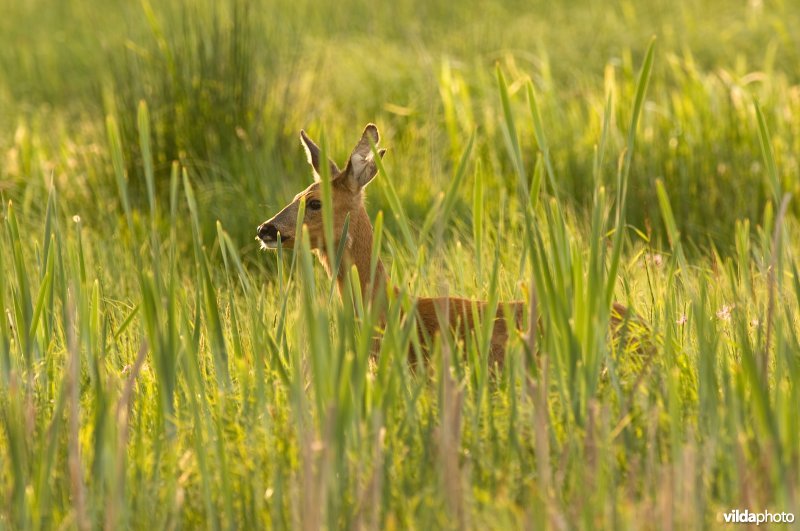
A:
(348, 199)
(431, 311)
(460, 318)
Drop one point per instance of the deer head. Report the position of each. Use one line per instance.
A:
(347, 186)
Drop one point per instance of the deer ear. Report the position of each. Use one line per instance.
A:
(361, 167)
(314, 155)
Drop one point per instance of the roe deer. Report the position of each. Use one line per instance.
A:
(348, 198)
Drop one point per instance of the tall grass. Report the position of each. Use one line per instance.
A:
(157, 371)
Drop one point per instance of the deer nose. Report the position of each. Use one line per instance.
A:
(268, 232)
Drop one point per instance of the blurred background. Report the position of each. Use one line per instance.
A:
(230, 83)
(255, 404)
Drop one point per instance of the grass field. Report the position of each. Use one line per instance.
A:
(157, 370)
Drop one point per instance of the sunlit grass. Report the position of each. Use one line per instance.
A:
(157, 370)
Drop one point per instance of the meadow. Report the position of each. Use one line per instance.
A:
(159, 371)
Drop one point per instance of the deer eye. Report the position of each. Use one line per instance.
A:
(314, 204)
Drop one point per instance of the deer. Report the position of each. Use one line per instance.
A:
(348, 187)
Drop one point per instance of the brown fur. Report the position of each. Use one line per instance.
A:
(348, 198)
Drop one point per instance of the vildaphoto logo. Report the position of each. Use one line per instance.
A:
(737, 516)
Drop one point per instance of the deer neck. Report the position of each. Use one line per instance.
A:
(358, 253)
